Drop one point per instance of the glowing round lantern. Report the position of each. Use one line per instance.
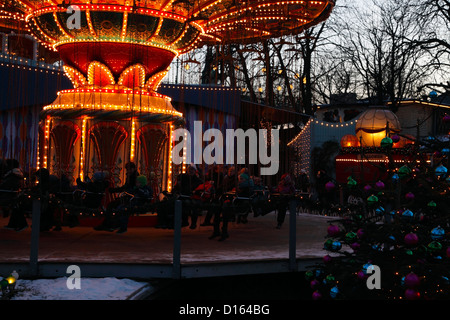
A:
(372, 126)
(349, 140)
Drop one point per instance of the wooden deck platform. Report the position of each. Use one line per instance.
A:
(148, 251)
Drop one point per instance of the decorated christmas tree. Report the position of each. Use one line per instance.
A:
(393, 243)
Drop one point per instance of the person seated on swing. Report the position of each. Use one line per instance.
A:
(244, 189)
(18, 221)
(110, 222)
(10, 184)
(93, 189)
(184, 187)
(140, 195)
(214, 174)
(260, 203)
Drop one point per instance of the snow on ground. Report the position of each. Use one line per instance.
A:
(90, 289)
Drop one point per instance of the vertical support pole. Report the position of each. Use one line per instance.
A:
(177, 241)
(35, 230)
(292, 236)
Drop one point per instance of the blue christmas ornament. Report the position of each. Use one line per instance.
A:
(379, 210)
(440, 171)
(407, 213)
(334, 292)
(446, 280)
(392, 238)
(433, 94)
(336, 245)
(445, 151)
(318, 272)
(393, 212)
(437, 233)
(395, 177)
(376, 247)
(365, 267)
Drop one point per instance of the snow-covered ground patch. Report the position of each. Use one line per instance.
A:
(90, 289)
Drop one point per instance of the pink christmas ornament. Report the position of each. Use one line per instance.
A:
(314, 284)
(412, 294)
(333, 230)
(360, 233)
(355, 246)
(409, 196)
(327, 259)
(329, 186)
(379, 184)
(412, 280)
(411, 239)
(316, 295)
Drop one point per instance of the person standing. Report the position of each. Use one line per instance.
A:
(286, 191)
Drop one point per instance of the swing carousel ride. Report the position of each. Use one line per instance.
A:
(116, 53)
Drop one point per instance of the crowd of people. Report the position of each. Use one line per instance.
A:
(223, 193)
(226, 195)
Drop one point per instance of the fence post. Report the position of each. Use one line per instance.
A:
(35, 231)
(292, 235)
(177, 241)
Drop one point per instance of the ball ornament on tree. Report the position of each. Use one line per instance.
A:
(355, 246)
(336, 245)
(334, 292)
(412, 280)
(431, 204)
(350, 237)
(327, 258)
(360, 233)
(407, 214)
(333, 230)
(440, 172)
(386, 143)
(329, 186)
(327, 245)
(404, 171)
(316, 295)
(411, 239)
(351, 183)
(437, 233)
(409, 196)
(434, 246)
(412, 294)
(379, 184)
(367, 188)
(314, 284)
(372, 200)
(446, 118)
(395, 138)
